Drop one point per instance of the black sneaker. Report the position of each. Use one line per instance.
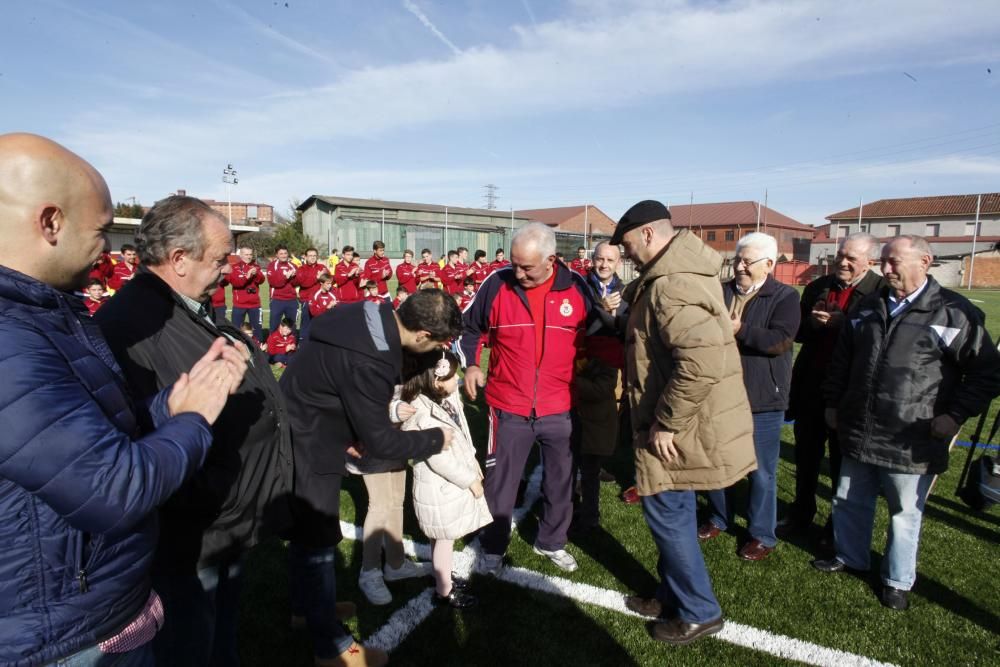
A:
(456, 599)
(458, 583)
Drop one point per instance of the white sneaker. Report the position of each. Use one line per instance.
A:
(408, 570)
(490, 564)
(373, 586)
(560, 558)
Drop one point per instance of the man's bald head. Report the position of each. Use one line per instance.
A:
(54, 211)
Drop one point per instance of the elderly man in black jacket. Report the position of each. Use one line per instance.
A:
(158, 326)
(338, 389)
(765, 316)
(914, 362)
(826, 303)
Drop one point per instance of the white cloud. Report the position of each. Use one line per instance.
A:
(416, 11)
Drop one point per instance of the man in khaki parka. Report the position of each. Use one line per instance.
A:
(691, 423)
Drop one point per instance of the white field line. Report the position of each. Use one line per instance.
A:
(406, 619)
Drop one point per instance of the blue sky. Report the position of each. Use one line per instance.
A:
(557, 103)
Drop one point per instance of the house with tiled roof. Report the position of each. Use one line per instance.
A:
(582, 225)
(948, 222)
(721, 225)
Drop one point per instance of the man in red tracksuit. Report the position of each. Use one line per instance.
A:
(246, 279)
(406, 273)
(581, 264)
(307, 280)
(325, 298)
(281, 276)
(347, 276)
(379, 269)
(427, 271)
(452, 275)
(103, 270)
(499, 262)
(463, 264)
(124, 269)
(535, 316)
(480, 269)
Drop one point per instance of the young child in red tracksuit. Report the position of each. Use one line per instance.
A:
(281, 344)
(247, 330)
(95, 296)
(371, 292)
(401, 294)
(325, 298)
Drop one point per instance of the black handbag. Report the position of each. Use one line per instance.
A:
(979, 484)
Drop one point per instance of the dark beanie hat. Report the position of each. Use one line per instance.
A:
(648, 210)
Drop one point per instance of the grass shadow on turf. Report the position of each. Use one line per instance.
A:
(607, 551)
(961, 509)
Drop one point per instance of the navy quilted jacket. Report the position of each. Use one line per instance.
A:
(77, 485)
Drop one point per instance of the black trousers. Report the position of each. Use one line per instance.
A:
(811, 437)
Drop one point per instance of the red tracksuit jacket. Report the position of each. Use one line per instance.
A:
(92, 305)
(496, 266)
(282, 288)
(103, 270)
(501, 311)
(350, 288)
(426, 273)
(378, 270)
(307, 280)
(320, 303)
(482, 270)
(406, 276)
(246, 288)
(121, 274)
(453, 277)
(278, 344)
(581, 266)
(219, 295)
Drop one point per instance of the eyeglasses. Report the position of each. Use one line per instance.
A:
(742, 260)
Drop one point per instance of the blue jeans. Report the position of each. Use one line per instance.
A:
(304, 318)
(254, 315)
(854, 516)
(93, 657)
(684, 583)
(314, 596)
(762, 509)
(283, 309)
(200, 617)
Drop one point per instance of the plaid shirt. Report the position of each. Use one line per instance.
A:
(139, 631)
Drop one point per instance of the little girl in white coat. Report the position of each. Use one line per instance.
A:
(447, 487)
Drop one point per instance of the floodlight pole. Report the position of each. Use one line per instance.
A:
(975, 235)
(229, 178)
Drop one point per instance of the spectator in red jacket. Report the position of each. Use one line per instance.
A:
(379, 269)
(307, 280)
(406, 275)
(325, 298)
(463, 263)
(246, 279)
(499, 262)
(371, 292)
(452, 275)
(427, 272)
(281, 343)
(103, 270)
(480, 269)
(219, 300)
(581, 264)
(347, 276)
(95, 296)
(124, 269)
(540, 305)
(281, 276)
(401, 294)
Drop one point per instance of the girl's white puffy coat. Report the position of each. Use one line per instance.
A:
(445, 508)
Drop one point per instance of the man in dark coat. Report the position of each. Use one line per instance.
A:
(765, 317)
(912, 364)
(156, 325)
(338, 389)
(79, 482)
(826, 304)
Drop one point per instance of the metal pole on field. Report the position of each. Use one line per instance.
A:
(446, 232)
(229, 178)
(586, 211)
(764, 220)
(758, 215)
(975, 235)
(383, 226)
(511, 229)
(861, 207)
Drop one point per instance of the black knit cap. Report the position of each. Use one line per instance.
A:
(648, 210)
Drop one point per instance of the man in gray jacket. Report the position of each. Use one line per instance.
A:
(914, 362)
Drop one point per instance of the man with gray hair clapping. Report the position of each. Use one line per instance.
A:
(765, 317)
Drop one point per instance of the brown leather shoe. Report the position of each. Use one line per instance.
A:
(755, 550)
(650, 607)
(708, 531)
(356, 656)
(679, 633)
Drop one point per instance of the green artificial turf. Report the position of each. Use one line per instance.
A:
(954, 617)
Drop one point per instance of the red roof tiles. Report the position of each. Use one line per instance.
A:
(916, 207)
(728, 214)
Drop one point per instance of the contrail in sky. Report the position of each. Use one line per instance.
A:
(413, 9)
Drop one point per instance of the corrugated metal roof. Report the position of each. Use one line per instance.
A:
(727, 214)
(916, 207)
(378, 204)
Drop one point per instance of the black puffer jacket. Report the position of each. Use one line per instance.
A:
(769, 323)
(891, 377)
(243, 490)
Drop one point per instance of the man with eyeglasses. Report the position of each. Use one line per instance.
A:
(765, 317)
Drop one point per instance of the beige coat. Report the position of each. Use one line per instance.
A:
(683, 370)
(445, 508)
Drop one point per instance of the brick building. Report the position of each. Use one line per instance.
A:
(575, 226)
(721, 225)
